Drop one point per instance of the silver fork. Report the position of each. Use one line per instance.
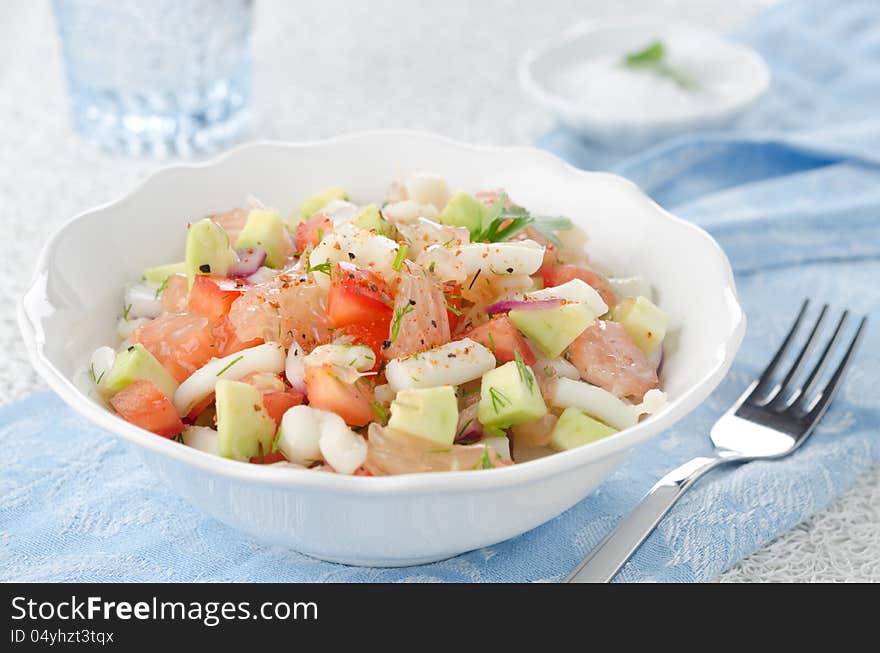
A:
(770, 420)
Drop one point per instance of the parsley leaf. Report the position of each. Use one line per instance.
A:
(402, 251)
(162, 288)
(525, 374)
(653, 59)
(233, 362)
(398, 316)
(324, 267)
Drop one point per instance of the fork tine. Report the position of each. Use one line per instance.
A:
(824, 398)
(799, 401)
(777, 398)
(767, 375)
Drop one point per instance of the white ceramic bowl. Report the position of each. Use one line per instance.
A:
(702, 54)
(72, 304)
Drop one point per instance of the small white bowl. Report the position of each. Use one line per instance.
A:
(72, 304)
(737, 74)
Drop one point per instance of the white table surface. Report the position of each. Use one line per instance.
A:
(325, 67)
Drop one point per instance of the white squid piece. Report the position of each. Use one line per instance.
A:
(601, 404)
(522, 257)
(575, 290)
(142, 299)
(370, 252)
(454, 363)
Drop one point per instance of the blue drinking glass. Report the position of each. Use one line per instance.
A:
(157, 77)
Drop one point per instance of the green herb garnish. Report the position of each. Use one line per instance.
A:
(491, 343)
(398, 316)
(178, 438)
(277, 437)
(653, 59)
(379, 410)
(402, 251)
(125, 312)
(525, 374)
(485, 461)
(92, 374)
(502, 222)
(233, 362)
(324, 267)
(498, 399)
(463, 428)
(161, 288)
(454, 310)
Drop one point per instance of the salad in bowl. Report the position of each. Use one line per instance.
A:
(432, 330)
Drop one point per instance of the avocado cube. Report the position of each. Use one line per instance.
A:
(244, 428)
(574, 429)
(160, 273)
(463, 210)
(207, 250)
(428, 413)
(644, 322)
(509, 395)
(137, 364)
(320, 199)
(371, 219)
(265, 228)
(553, 329)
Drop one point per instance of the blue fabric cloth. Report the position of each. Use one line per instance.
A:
(793, 196)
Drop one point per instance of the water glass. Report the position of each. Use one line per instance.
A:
(159, 77)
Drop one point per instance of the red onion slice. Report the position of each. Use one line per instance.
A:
(524, 305)
(249, 261)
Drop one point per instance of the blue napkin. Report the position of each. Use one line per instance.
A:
(793, 196)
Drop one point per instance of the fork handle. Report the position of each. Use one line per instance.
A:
(606, 559)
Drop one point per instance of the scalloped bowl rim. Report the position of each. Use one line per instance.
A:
(419, 483)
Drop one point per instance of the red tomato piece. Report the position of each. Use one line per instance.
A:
(310, 232)
(555, 275)
(372, 335)
(452, 293)
(503, 339)
(351, 401)
(199, 408)
(144, 405)
(269, 458)
(212, 297)
(357, 297)
(277, 403)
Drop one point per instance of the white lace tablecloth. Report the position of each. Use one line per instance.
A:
(329, 66)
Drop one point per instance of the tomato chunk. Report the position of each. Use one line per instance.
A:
(144, 405)
(269, 458)
(452, 294)
(555, 275)
(351, 401)
(277, 403)
(357, 297)
(503, 339)
(212, 297)
(372, 335)
(310, 232)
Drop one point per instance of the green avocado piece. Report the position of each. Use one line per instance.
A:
(574, 429)
(159, 273)
(265, 229)
(244, 428)
(370, 218)
(428, 413)
(207, 250)
(509, 395)
(463, 210)
(553, 329)
(643, 321)
(320, 199)
(135, 364)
